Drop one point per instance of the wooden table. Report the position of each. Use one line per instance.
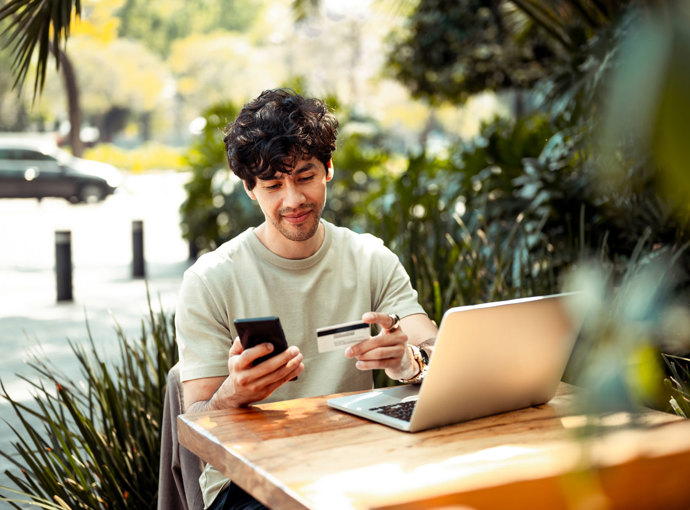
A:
(303, 454)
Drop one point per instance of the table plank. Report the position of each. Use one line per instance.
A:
(303, 454)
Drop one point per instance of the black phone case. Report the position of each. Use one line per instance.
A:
(257, 330)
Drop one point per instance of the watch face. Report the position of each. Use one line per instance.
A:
(425, 356)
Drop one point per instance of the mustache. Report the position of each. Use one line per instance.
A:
(301, 210)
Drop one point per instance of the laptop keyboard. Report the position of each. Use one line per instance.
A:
(401, 410)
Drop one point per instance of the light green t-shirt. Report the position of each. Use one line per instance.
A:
(349, 275)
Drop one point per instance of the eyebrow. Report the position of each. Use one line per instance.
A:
(279, 176)
(306, 168)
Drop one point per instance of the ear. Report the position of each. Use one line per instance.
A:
(329, 170)
(249, 192)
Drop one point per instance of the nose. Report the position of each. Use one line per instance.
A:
(293, 196)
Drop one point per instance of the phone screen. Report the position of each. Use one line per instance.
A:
(257, 330)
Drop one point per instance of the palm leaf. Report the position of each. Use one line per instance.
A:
(42, 25)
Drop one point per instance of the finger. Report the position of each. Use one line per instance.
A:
(293, 369)
(249, 356)
(395, 352)
(288, 372)
(265, 379)
(382, 319)
(279, 360)
(377, 364)
(292, 375)
(393, 338)
(358, 349)
(264, 372)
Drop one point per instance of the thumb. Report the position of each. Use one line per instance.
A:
(236, 348)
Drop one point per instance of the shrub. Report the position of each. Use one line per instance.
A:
(95, 442)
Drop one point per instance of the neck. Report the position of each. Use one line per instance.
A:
(286, 248)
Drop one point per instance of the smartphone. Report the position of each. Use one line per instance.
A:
(258, 330)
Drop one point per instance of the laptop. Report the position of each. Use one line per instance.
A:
(488, 359)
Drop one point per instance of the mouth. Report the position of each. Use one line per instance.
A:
(298, 217)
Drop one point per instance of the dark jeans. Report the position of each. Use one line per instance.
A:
(234, 498)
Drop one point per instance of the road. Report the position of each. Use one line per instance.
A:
(32, 322)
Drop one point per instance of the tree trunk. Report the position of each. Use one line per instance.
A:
(72, 91)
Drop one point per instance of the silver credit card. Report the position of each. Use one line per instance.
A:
(339, 336)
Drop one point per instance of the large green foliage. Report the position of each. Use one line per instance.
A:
(450, 50)
(604, 178)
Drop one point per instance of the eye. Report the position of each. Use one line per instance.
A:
(273, 186)
(306, 178)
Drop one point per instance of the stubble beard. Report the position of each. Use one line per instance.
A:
(302, 232)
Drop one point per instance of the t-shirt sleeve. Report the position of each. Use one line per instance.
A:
(396, 294)
(203, 337)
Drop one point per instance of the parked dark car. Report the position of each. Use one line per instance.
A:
(32, 169)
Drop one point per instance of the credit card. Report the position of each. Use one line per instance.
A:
(339, 336)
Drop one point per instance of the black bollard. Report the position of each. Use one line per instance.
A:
(63, 264)
(138, 266)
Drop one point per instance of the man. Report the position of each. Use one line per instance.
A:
(298, 267)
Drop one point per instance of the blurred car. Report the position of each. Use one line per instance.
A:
(35, 169)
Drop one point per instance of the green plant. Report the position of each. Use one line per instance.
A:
(678, 383)
(94, 441)
(216, 208)
(360, 160)
(462, 233)
(625, 335)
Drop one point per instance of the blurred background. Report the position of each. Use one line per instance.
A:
(500, 148)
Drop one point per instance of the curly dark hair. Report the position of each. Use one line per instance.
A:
(276, 129)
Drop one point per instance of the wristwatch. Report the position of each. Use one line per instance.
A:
(422, 359)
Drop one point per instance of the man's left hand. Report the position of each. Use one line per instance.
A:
(387, 350)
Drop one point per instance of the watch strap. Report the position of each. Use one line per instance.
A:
(421, 363)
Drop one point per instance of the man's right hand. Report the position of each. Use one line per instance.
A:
(245, 383)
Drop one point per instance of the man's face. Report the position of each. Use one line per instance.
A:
(292, 204)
